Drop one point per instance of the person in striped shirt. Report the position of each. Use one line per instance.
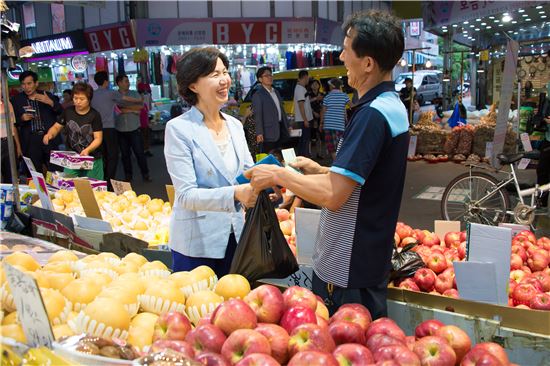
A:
(361, 192)
(333, 115)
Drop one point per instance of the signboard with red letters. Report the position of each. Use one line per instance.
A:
(112, 37)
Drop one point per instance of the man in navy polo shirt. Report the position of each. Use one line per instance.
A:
(361, 192)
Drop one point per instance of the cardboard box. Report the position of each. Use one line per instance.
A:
(536, 321)
(61, 181)
(71, 160)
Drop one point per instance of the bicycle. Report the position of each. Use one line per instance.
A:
(479, 197)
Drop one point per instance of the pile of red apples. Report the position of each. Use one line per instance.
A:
(287, 225)
(293, 328)
(529, 285)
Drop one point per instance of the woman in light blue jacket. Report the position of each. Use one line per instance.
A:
(205, 151)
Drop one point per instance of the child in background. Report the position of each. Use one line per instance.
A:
(84, 131)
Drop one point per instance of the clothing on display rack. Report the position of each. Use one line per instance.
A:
(101, 64)
(121, 65)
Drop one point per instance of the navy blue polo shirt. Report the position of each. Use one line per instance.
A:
(354, 245)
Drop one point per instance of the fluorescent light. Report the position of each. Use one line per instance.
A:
(500, 25)
(506, 18)
(444, 27)
(527, 19)
(480, 70)
(497, 21)
(488, 27)
(471, 25)
(543, 16)
(478, 20)
(521, 10)
(541, 12)
(477, 29)
(539, 7)
(524, 15)
(483, 23)
(473, 39)
(491, 17)
(444, 31)
(455, 25)
(514, 21)
(466, 22)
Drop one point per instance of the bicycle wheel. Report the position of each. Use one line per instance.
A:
(461, 196)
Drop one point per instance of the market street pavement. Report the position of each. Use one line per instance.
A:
(423, 179)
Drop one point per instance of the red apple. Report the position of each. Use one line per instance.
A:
(494, 349)
(299, 296)
(406, 241)
(511, 286)
(346, 332)
(438, 248)
(322, 322)
(232, 315)
(282, 214)
(437, 262)
(410, 341)
(431, 240)
(243, 342)
(517, 275)
(529, 235)
(425, 279)
(178, 346)
(533, 281)
(357, 307)
(286, 227)
(518, 249)
(424, 252)
(310, 337)
(434, 351)
(521, 240)
(206, 338)
(462, 250)
(258, 359)
(297, 315)
(171, 325)
(351, 315)
(463, 236)
(427, 328)
(207, 319)
(278, 340)
(544, 279)
(409, 284)
(443, 283)
(515, 262)
(212, 359)
(353, 354)
(451, 293)
(452, 239)
(310, 358)
(419, 234)
(526, 269)
(540, 301)
(385, 326)
(403, 231)
(522, 306)
(396, 239)
(449, 273)
(480, 357)
(401, 355)
(539, 260)
(382, 340)
(267, 302)
(457, 339)
(544, 243)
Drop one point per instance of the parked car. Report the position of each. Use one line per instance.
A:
(427, 83)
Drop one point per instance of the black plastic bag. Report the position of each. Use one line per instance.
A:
(405, 263)
(263, 251)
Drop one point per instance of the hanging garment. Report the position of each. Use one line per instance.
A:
(158, 73)
(100, 64)
(169, 63)
(262, 60)
(121, 65)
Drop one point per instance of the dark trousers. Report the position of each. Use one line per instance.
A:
(181, 262)
(34, 149)
(110, 154)
(5, 167)
(304, 142)
(374, 297)
(543, 169)
(132, 141)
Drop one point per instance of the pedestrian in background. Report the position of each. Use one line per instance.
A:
(303, 115)
(67, 98)
(333, 115)
(316, 100)
(5, 167)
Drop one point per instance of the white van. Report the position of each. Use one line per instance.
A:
(427, 83)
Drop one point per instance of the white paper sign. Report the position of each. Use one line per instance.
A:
(30, 307)
(42, 189)
(523, 163)
(412, 146)
(476, 281)
(492, 244)
(90, 223)
(526, 142)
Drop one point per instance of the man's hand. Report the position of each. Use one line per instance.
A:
(27, 116)
(260, 139)
(308, 166)
(262, 176)
(306, 124)
(246, 195)
(43, 98)
(46, 139)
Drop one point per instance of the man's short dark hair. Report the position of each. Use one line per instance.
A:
(83, 88)
(26, 74)
(194, 64)
(335, 83)
(408, 79)
(302, 73)
(261, 71)
(120, 77)
(377, 34)
(100, 77)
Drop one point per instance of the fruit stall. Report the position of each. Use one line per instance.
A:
(157, 317)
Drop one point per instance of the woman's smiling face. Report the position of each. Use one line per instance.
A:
(213, 87)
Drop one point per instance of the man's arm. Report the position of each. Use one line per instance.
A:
(131, 109)
(302, 110)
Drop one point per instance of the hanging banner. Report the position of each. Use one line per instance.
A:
(506, 92)
(170, 32)
(110, 37)
(329, 32)
(56, 45)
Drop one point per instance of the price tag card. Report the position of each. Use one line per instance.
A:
(526, 142)
(171, 194)
(412, 146)
(120, 187)
(42, 189)
(30, 307)
(30, 164)
(87, 198)
(523, 163)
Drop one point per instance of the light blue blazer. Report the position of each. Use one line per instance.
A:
(204, 207)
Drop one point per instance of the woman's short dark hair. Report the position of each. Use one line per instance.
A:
(194, 64)
(83, 88)
(377, 34)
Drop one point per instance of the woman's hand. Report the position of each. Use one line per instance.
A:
(84, 152)
(245, 194)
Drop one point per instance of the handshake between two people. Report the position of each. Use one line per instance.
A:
(265, 176)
